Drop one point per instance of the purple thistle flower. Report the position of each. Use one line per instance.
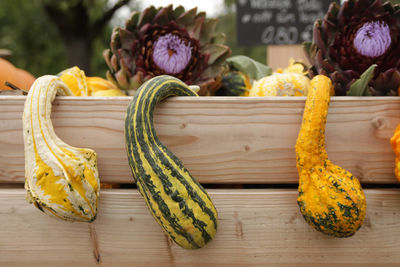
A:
(171, 54)
(373, 39)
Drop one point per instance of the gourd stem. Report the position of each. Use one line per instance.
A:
(16, 88)
(12, 86)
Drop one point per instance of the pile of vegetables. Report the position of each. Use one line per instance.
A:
(147, 57)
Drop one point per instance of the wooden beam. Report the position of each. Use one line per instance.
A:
(278, 55)
(256, 228)
(219, 139)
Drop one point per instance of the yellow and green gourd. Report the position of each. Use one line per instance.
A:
(330, 198)
(60, 180)
(175, 199)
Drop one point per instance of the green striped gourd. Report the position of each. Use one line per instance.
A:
(60, 180)
(175, 199)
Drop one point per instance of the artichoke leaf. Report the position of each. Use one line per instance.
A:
(216, 51)
(131, 23)
(178, 11)
(360, 86)
(187, 17)
(207, 30)
(218, 38)
(146, 16)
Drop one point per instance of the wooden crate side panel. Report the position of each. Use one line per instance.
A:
(219, 139)
(278, 56)
(256, 227)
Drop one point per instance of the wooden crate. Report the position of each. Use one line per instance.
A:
(278, 56)
(242, 149)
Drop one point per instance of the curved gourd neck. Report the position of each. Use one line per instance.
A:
(41, 98)
(311, 140)
(175, 199)
(153, 93)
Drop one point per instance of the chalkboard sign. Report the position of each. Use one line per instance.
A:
(263, 22)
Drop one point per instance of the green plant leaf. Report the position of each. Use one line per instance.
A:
(360, 86)
(254, 69)
(307, 47)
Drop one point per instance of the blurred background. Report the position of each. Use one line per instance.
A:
(47, 36)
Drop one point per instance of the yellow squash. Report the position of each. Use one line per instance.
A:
(330, 198)
(60, 180)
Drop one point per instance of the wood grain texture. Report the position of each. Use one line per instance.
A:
(219, 139)
(256, 227)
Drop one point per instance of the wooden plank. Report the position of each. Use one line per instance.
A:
(256, 227)
(219, 139)
(278, 55)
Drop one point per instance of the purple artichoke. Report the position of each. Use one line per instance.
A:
(351, 39)
(167, 41)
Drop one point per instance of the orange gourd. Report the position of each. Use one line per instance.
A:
(395, 142)
(18, 77)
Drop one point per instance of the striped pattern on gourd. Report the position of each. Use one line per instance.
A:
(60, 180)
(175, 199)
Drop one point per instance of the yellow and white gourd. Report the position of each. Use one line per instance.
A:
(75, 79)
(281, 84)
(291, 81)
(61, 180)
(81, 85)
